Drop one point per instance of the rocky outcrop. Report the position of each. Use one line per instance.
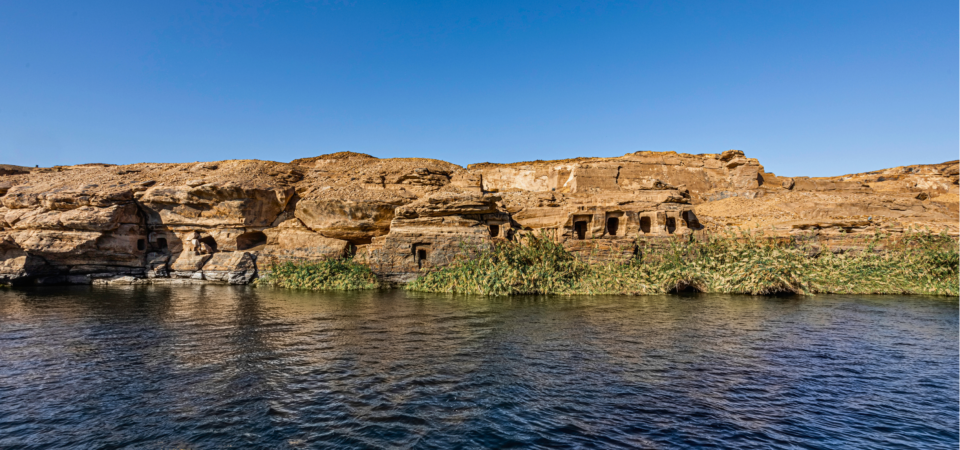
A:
(433, 231)
(700, 174)
(226, 221)
(70, 231)
(891, 201)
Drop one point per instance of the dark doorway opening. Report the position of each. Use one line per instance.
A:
(141, 244)
(671, 225)
(250, 240)
(210, 241)
(162, 243)
(581, 229)
(494, 230)
(421, 257)
(645, 225)
(613, 224)
(420, 254)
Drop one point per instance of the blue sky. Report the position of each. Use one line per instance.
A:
(809, 87)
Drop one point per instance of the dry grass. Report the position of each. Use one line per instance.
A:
(745, 263)
(917, 263)
(340, 274)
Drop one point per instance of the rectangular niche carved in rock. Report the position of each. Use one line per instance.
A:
(613, 223)
(580, 228)
(421, 252)
(645, 225)
(580, 225)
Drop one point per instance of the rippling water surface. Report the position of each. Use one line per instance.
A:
(216, 366)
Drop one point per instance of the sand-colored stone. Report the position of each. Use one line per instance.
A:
(400, 215)
(230, 267)
(291, 240)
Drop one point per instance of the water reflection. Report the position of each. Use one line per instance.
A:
(215, 366)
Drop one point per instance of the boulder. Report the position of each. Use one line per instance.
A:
(188, 265)
(348, 220)
(291, 240)
(231, 268)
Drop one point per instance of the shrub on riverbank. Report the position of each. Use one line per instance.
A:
(744, 263)
(538, 266)
(341, 274)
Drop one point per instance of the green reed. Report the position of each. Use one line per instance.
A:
(745, 263)
(341, 274)
(536, 266)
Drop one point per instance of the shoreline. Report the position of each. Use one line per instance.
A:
(403, 217)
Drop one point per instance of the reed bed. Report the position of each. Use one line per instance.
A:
(745, 263)
(340, 274)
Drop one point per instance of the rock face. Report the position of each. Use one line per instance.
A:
(225, 221)
(702, 175)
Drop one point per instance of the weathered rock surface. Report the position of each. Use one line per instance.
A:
(291, 240)
(226, 221)
(231, 268)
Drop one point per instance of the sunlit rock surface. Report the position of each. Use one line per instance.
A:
(224, 221)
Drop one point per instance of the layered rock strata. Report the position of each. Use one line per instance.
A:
(225, 221)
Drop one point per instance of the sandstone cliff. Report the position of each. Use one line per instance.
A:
(225, 220)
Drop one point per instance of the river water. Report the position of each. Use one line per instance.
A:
(218, 366)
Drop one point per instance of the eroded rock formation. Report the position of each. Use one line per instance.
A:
(223, 221)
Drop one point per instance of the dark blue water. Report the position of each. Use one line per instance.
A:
(216, 367)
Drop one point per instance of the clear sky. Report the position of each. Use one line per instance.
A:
(809, 87)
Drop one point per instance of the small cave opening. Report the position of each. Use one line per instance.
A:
(420, 253)
(162, 243)
(613, 224)
(252, 239)
(645, 225)
(671, 225)
(580, 228)
(141, 244)
(421, 257)
(494, 230)
(210, 241)
(682, 287)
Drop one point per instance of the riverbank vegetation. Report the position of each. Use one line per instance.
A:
(342, 274)
(920, 263)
